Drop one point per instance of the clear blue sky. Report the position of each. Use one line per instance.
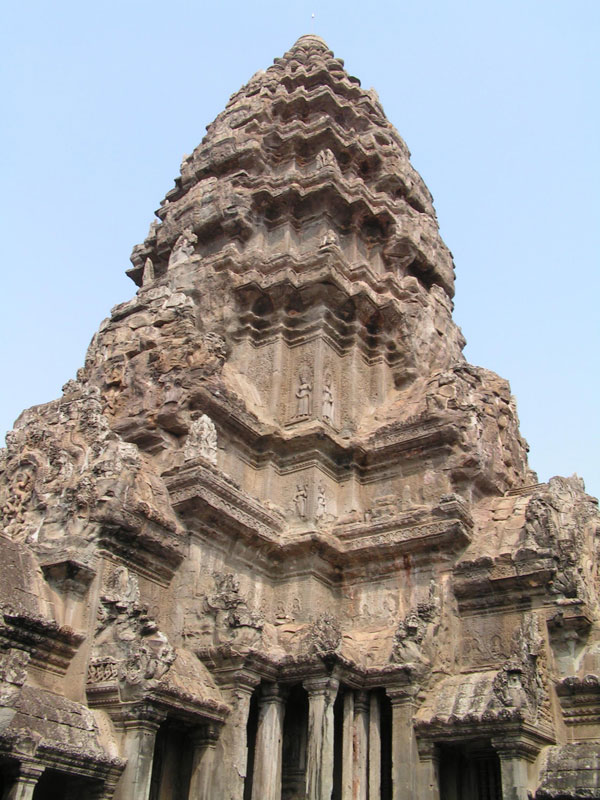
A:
(497, 100)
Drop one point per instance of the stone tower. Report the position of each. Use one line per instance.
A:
(278, 540)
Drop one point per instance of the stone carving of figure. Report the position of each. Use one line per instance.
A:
(22, 490)
(303, 393)
(329, 239)
(184, 247)
(321, 502)
(325, 158)
(173, 392)
(122, 587)
(201, 440)
(300, 500)
(328, 400)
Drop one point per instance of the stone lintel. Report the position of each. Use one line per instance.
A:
(69, 574)
(574, 619)
(27, 771)
(50, 645)
(483, 591)
(224, 665)
(510, 738)
(580, 700)
(155, 554)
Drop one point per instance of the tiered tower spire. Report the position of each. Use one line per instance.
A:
(285, 539)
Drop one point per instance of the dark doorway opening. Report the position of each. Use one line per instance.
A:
(338, 742)
(172, 763)
(385, 711)
(55, 785)
(295, 738)
(469, 771)
(251, 731)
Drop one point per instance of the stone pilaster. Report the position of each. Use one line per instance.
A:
(361, 745)
(266, 780)
(204, 741)
(319, 769)
(374, 748)
(140, 727)
(514, 756)
(104, 792)
(404, 744)
(428, 778)
(348, 746)
(231, 758)
(25, 782)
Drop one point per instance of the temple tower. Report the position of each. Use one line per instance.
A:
(283, 540)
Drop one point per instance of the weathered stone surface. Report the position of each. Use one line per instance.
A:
(278, 539)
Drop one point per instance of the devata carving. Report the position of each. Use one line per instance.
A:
(183, 248)
(328, 399)
(304, 394)
(202, 440)
(326, 158)
(277, 505)
(300, 499)
(321, 510)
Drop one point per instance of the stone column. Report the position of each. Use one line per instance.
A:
(140, 727)
(348, 746)
(266, 781)
(361, 745)
(374, 748)
(104, 792)
(428, 780)
(231, 759)
(204, 741)
(513, 769)
(404, 744)
(319, 768)
(25, 782)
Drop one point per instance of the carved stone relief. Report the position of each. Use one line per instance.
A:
(324, 635)
(300, 500)
(184, 247)
(234, 621)
(201, 440)
(414, 634)
(326, 158)
(304, 395)
(328, 402)
(128, 647)
(321, 510)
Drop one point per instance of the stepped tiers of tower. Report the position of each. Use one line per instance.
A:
(278, 540)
